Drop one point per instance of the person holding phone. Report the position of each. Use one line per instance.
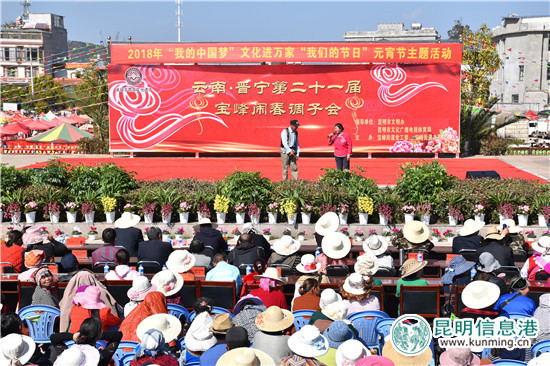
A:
(342, 146)
(290, 150)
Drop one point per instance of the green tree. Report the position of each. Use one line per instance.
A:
(48, 94)
(458, 28)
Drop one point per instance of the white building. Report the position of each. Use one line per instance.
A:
(394, 32)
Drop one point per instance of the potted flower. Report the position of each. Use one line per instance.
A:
(166, 212)
(505, 211)
(345, 231)
(435, 235)
(306, 213)
(546, 233)
(287, 231)
(359, 234)
(236, 233)
(267, 233)
(240, 212)
(425, 210)
(76, 232)
(165, 234)
(530, 237)
(70, 210)
(59, 234)
(145, 237)
(88, 210)
(129, 208)
(272, 210)
(289, 208)
(301, 235)
(385, 213)
(148, 210)
(365, 205)
(523, 215)
(109, 204)
(179, 233)
(455, 215)
(479, 212)
(372, 232)
(183, 210)
(254, 213)
(221, 206)
(449, 235)
(343, 211)
(408, 210)
(92, 233)
(53, 209)
(30, 212)
(203, 211)
(223, 230)
(13, 211)
(545, 216)
(541, 205)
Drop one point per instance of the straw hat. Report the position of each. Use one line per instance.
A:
(308, 342)
(470, 227)
(33, 235)
(350, 352)
(492, 233)
(329, 296)
(542, 245)
(411, 266)
(256, 300)
(167, 324)
(271, 273)
(244, 356)
(487, 262)
(168, 282)
(354, 284)
(511, 224)
(274, 319)
(337, 333)
(328, 223)
(398, 359)
(34, 258)
(199, 337)
(376, 244)
(286, 245)
(180, 261)
(222, 322)
(127, 220)
(367, 264)
(480, 294)
(140, 288)
(416, 232)
(307, 264)
(78, 355)
(457, 266)
(336, 245)
(16, 347)
(90, 298)
(458, 357)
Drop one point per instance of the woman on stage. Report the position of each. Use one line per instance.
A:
(342, 146)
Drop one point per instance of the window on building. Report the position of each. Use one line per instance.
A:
(58, 21)
(501, 97)
(521, 72)
(515, 98)
(11, 71)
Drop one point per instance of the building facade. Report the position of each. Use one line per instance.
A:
(394, 32)
(521, 83)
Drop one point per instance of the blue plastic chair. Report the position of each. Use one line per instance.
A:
(509, 363)
(215, 311)
(516, 316)
(99, 344)
(177, 311)
(365, 322)
(40, 320)
(383, 330)
(540, 347)
(122, 355)
(301, 318)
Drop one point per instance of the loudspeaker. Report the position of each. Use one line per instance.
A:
(482, 174)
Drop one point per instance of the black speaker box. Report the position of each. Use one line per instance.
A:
(482, 174)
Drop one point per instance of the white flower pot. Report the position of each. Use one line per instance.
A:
(306, 218)
(267, 237)
(522, 220)
(71, 217)
(292, 219)
(166, 219)
(54, 217)
(542, 220)
(425, 219)
(184, 217)
(272, 217)
(30, 217)
(237, 238)
(479, 217)
(148, 218)
(240, 217)
(343, 218)
(383, 219)
(409, 217)
(450, 240)
(110, 217)
(220, 217)
(363, 218)
(16, 218)
(255, 219)
(358, 238)
(200, 216)
(501, 218)
(89, 217)
(435, 239)
(179, 237)
(301, 238)
(91, 237)
(453, 221)
(165, 237)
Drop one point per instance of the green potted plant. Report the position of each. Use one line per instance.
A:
(221, 206)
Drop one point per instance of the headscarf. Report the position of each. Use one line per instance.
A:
(154, 303)
(81, 278)
(152, 344)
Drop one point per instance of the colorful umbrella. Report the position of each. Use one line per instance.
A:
(63, 133)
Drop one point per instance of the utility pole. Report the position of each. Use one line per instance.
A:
(179, 13)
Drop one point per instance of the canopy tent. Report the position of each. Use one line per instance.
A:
(54, 122)
(17, 127)
(37, 125)
(6, 132)
(78, 119)
(531, 115)
(63, 133)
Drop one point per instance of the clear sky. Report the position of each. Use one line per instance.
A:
(232, 21)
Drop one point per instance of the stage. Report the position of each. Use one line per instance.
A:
(384, 170)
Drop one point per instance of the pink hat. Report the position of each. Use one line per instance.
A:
(375, 361)
(90, 298)
(33, 235)
(458, 357)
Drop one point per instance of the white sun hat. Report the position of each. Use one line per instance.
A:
(307, 264)
(354, 284)
(16, 347)
(180, 261)
(480, 294)
(416, 232)
(542, 245)
(367, 264)
(336, 245)
(127, 220)
(286, 245)
(167, 324)
(470, 227)
(376, 244)
(350, 352)
(308, 342)
(512, 228)
(168, 282)
(328, 223)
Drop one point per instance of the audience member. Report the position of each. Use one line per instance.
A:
(33, 260)
(285, 251)
(153, 303)
(258, 239)
(309, 296)
(197, 249)
(182, 262)
(378, 245)
(140, 288)
(478, 298)
(167, 324)
(414, 236)
(336, 334)
(88, 304)
(245, 356)
(458, 357)
(308, 268)
(152, 350)
(12, 251)
(334, 247)
(468, 237)
(516, 301)
(258, 268)
(154, 249)
(169, 283)
(352, 351)
(486, 267)
(411, 275)
(122, 270)
(514, 239)
(246, 252)
(493, 243)
(327, 223)
(542, 359)
(107, 252)
(11, 324)
(332, 309)
(69, 265)
(458, 273)
(224, 271)
(16, 349)
(44, 293)
(272, 339)
(34, 238)
(267, 291)
(539, 261)
(306, 344)
(356, 292)
(220, 327)
(542, 314)
(199, 338)
(212, 238)
(127, 235)
(245, 312)
(398, 359)
(367, 265)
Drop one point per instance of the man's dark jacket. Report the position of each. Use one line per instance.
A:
(213, 241)
(154, 250)
(129, 239)
(466, 242)
(502, 253)
(245, 253)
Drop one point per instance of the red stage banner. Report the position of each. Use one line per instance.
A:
(354, 52)
(237, 108)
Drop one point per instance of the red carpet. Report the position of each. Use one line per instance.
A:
(383, 170)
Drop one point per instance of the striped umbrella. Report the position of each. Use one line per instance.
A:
(63, 133)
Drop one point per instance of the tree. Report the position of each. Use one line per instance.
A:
(48, 94)
(458, 28)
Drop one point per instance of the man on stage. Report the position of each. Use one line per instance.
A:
(290, 150)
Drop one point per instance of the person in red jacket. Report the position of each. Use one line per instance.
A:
(88, 304)
(267, 291)
(342, 146)
(12, 251)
